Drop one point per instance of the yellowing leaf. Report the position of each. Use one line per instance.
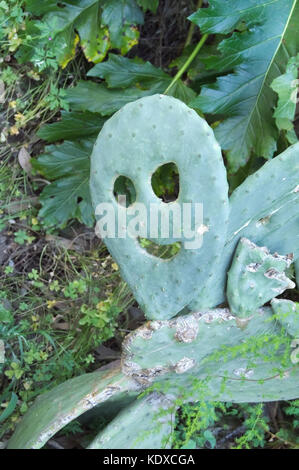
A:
(70, 53)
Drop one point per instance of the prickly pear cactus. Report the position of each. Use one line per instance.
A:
(287, 313)
(216, 346)
(264, 209)
(245, 352)
(55, 409)
(212, 348)
(153, 430)
(137, 140)
(255, 277)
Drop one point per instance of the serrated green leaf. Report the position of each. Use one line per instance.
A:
(121, 72)
(151, 5)
(222, 17)
(36, 7)
(95, 40)
(68, 197)
(97, 98)
(197, 69)
(244, 99)
(60, 202)
(182, 92)
(65, 159)
(60, 19)
(286, 86)
(72, 126)
(100, 27)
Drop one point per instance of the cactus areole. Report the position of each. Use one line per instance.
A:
(240, 254)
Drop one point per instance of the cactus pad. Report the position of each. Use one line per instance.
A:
(263, 209)
(255, 277)
(58, 407)
(235, 364)
(137, 140)
(287, 313)
(145, 424)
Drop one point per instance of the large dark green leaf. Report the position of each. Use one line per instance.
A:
(244, 99)
(68, 196)
(121, 72)
(197, 69)
(148, 5)
(97, 98)
(60, 19)
(72, 126)
(182, 92)
(286, 86)
(36, 7)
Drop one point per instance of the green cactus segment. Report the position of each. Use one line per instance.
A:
(55, 409)
(287, 313)
(235, 362)
(263, 209)
(255, 277)
(137, 140)
(145, 424)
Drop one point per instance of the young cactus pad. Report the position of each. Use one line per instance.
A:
(136, 141)
(255, 277)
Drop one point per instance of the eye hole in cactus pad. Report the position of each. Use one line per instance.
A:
(166, 182)
(160, 251)
(124, 191)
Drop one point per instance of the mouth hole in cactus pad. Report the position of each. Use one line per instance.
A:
(166, 182)
(160, 251)
(124, 191)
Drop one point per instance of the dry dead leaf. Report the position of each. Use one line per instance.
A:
(62, 326)
(2, 92)
(65, 243)
(25, 160)
(20, 205)
(2, 351)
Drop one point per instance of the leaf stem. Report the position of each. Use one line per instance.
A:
(192, 26)
(187, 63)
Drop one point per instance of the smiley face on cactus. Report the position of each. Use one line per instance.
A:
(140, 138)
(243, 352)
